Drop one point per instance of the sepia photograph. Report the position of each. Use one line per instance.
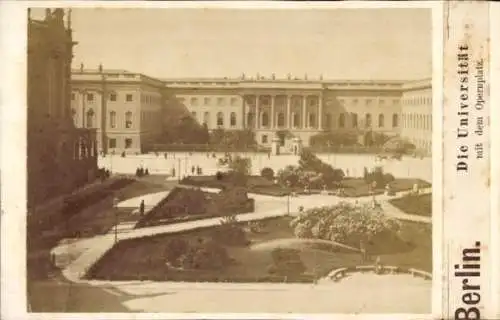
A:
(230, 160)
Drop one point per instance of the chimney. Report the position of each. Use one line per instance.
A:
(258, 76)
(320, 77)
(100, 67)
(69, 19)
(305, 76)
(273, 76)
(81, 67)
(289, 76)
(243, 76)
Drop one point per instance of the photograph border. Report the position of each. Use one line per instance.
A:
(13, 18)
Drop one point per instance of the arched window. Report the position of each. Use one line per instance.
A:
(265, 119)
(90, 118)
(128, 120)
(395, 120)
(281, 119)
(206, 118)
(233, 119)
(368, 120)
(341, 120)
(296, 120)
(112, 119)
(328, 121)
(220, 119)
(381, 120)
(73, 115)
(354, 120)
(312, 120)
(250, 119)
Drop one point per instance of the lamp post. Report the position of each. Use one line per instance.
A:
(288, 197)
(115, 203)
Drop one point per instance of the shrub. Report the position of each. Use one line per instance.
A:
(267, 173)
(388, 178)
(205, 255)
(286, 262)
(230, 232)
(241, 165)
(175, 248)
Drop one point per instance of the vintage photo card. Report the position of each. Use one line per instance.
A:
(236, 159)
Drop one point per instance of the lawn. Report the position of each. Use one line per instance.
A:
(357, 187)
(414, 204)
(144, 259)
(353, 187)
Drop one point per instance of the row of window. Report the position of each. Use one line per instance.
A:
(90, 97)
(296, 120)
(369, 101)
(112, 143)
(89, 119)
(220, 101)
(417, 121)
(417, 101)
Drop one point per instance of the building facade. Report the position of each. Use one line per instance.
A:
(416, 114)
(303, 107)
(124, 108)
(60, 157)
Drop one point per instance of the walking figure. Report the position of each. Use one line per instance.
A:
(193, 169)
(141, 208)
(362, 248)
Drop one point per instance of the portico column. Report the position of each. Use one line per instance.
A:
(320, 112)
(288, 115)
(304, 113)
(257, 111)
(273, 98)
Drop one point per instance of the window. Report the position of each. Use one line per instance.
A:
(128, 120)
(112, 143)
(128, 143)
(73, 115)
(265, 119)
(395, 120)
(234, 101)
(194, 101)
(72, 96)
(128, 97)
(328, 121)
(381, 121)
(220, 101)
(232, 119)
(296, 120)
(354, 101)
(264, 138)
(381, 102)
(369, 102)
(341, 120)
(220, 119)
(112, 97)
(193, 114)
(206, 118)
(206, 101)
(112, 119)
(90, 118)
(313, 102)
(368, 120)
(312, 120)
(90, 97)
(354, 120)
(281, 119)
(251, 119)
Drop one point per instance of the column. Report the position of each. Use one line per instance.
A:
(320, 112)
(288, 111)
(257, 112)
(83, 94)
(244, 122)
(273, 98)
(304, 112)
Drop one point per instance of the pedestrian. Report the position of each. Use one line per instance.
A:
(142, 208)
(362, 249)
(193, 169)
(173, 172)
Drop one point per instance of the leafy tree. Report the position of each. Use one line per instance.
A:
(241, 165)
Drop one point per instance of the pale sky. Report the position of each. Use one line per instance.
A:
(194, 42)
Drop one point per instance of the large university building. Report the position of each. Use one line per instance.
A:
(61, 157)
(302, 106)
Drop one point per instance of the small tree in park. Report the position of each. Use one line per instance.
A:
(267, 173)
(241, 165)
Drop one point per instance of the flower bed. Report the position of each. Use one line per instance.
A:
(357, 187)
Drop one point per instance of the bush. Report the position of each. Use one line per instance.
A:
(175, 248)
(286, 262)
(241, 165)
(230, 232)
(267, 173)
(205, 255)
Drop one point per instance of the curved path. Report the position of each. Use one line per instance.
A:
(92, 249)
